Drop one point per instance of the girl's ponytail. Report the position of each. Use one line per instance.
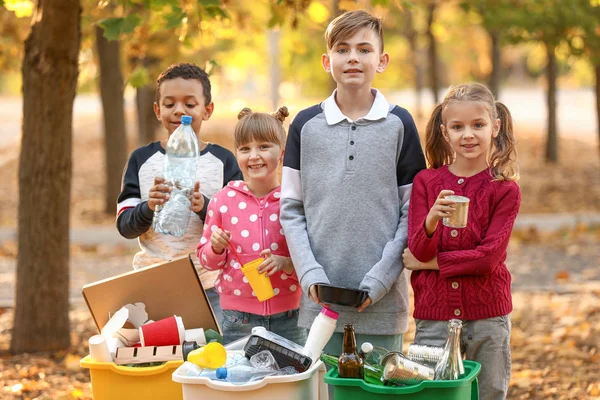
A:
(437, 150)
(503, 158)
(281, 113)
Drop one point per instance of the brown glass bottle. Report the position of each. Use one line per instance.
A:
(350, 365)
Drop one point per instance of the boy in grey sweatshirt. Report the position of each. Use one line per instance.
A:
(347, 176)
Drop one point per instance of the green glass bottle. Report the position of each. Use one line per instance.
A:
(373, 374)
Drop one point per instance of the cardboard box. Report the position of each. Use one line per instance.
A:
(171, 288)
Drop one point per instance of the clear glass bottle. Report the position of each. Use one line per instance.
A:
(350, 365)
(450, 366)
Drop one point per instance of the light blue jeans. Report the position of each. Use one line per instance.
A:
(215, 302)
(486, 341)
(238, 324)
(335, 346)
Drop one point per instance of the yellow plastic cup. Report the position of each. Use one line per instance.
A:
(213, 356)
(260, 283)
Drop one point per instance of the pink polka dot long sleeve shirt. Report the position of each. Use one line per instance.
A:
(254, 226)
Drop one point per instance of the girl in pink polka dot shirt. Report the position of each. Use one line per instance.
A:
(246, 216)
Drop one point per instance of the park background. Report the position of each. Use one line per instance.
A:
(77, 81)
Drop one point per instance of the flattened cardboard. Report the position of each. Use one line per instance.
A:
(171, 288)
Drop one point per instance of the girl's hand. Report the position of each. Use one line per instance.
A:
(442, 208)
(197, 199)
(159, 193)
(412, 264)
(274, 263)
(219, 240)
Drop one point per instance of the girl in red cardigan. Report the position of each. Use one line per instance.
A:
(460, 272)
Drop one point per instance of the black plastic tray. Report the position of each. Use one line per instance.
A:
(341, 296)
(284, 357)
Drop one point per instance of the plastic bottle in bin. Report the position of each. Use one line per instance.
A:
(181, 162)
(320, 332)
(213, 355)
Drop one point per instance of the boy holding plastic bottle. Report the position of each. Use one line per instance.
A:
(182, 89)
(348, 170)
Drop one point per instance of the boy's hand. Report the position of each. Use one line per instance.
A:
(312, 294)
(197, 199)
(159, 193)
(365, 304)
(275, 263)
(442, 208)
(219, 240)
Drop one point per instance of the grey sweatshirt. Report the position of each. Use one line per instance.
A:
(345, 191)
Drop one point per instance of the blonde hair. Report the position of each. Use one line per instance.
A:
(503, 158)
(260, 127)
(347, 24)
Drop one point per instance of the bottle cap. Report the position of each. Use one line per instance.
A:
(330, 313)
(186, 119)
(221, 373)
(366, 347)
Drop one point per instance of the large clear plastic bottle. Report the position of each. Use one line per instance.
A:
(240, 374)
(181, 162)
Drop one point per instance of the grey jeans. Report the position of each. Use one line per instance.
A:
(486, 341)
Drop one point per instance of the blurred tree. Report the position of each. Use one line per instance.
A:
(434, 76)
(113, 110)
(547, 22)
(412, 35)
(586, 40)
(492, 14)
(50, 70)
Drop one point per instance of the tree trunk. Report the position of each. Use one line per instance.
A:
(41, 321)
(496, 58)
(597, 70)
(115, 137)
(147, 122)
(411, 35)
(433, 61)
(275, 76)
(552, 142)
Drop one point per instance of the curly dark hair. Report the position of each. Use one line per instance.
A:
(185, 71)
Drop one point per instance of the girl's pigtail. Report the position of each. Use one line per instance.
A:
(281, 113)
(245, 111)
(437, 150)
(504, 155)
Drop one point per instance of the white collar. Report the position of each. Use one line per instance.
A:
(334, 115)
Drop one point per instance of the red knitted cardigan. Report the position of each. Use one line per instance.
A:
(473, 281)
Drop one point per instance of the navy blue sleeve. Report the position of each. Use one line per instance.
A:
(411, 159)
(291, 159)
(134, 216)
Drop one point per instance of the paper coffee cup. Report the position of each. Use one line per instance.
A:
(260, 283)
(166, 332)
(461, 212)
(99, 349)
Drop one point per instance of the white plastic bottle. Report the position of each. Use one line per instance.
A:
(320, 332)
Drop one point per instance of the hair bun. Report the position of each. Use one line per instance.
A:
(245, 111)
(281, 113)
